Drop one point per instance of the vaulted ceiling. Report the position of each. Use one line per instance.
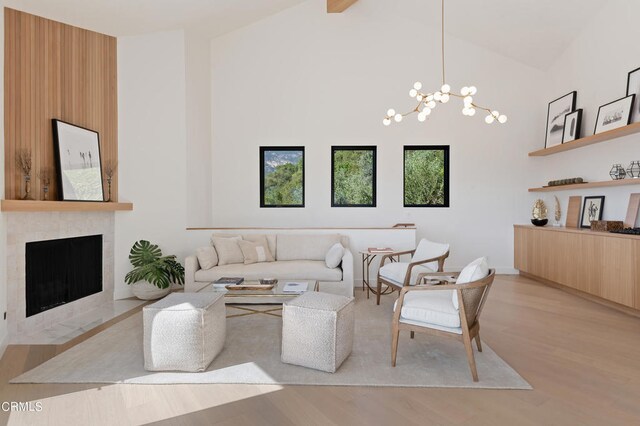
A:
(534, 32)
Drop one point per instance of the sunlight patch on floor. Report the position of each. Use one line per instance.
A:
(134, 404)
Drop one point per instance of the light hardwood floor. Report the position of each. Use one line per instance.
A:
(582, 359)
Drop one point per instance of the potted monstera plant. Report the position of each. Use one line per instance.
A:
(152, 273)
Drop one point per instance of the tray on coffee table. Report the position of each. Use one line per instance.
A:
(253, 293)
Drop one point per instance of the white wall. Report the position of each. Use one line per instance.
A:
(596, 65)
(152, 146)
(198, 120)
(303, 77)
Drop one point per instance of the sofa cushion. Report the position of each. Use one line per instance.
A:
(428, 250)
(474, 271)
(258, 238)
(282, 270)
(207, 257)
(430, 307)
(228, 250)
(255, 252)
(334, 256)
(304, 246)
(396, 271)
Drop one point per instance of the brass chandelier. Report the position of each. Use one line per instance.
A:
(428, 101)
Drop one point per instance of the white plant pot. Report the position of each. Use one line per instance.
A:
(146, 291)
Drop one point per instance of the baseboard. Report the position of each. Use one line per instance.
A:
(507, 271)
(613, 305)
(3, 345)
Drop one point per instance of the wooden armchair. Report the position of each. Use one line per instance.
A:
(427, 257)
(467, 303)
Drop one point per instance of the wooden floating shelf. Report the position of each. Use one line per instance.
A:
(621, 182)
(588, 140)
(62, 206)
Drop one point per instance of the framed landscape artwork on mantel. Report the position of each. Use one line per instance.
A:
(281, 176)
(78, 161)
(556, 113)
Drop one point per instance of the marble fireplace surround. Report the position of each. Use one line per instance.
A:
(24, 227)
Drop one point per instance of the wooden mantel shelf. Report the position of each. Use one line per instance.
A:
(62, 206)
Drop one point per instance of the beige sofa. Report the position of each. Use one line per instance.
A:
(297, 256)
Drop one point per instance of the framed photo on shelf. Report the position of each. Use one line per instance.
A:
(555, 118)
(615, 114)
(78, 159)
(633, 88)
(572, 125)
(591, 210)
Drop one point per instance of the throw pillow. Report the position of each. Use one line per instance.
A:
(474, 271)
(207, 257)
(334, 256)
(255, 252)
(228, 250)
(428, 250)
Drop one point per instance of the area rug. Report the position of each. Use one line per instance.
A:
(252, 356)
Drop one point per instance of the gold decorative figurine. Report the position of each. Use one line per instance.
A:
(539, 213)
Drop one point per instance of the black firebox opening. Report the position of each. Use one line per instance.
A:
(61, 271)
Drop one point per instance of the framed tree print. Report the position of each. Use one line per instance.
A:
(78, 159)
(426, 176)
(353, 176)
(281, 176)
(591, 210)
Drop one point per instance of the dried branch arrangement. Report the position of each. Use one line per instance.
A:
(23, 160)
(45, 176)
(110, 168)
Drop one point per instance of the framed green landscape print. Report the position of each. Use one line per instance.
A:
(281, 176)
(353, 176)
(426, 176)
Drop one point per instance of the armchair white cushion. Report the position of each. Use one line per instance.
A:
(428, 250)
(474, 271)
(439, 309)
(429, 309)
(396, 271)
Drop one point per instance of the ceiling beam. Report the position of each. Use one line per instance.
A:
(339, 6)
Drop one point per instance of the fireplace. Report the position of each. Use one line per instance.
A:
(61, 271)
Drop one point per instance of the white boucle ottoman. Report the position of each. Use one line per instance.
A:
(317, 330)
(184, 331)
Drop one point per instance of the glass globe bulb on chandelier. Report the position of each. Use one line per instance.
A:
(427, 101)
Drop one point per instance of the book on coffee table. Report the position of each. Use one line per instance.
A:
(229, 280)
(295, 287)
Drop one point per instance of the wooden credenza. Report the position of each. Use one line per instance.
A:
(602, 266)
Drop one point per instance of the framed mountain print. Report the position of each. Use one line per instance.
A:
(556, 112)
(281, 176)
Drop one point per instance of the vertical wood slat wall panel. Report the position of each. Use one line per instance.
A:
(54, 70)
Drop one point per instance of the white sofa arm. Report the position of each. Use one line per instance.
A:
(191, 266)
(347, 270)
